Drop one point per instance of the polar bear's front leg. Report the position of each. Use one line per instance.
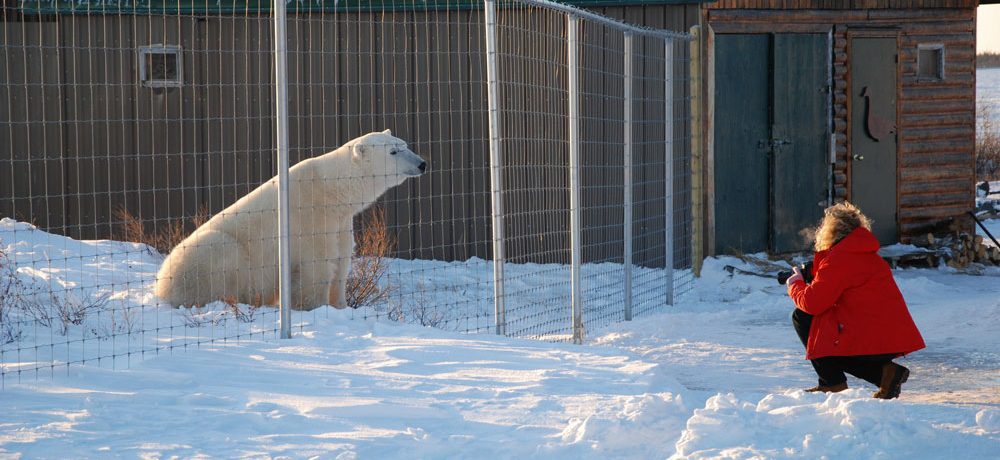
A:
(341, 267)
(310, 283)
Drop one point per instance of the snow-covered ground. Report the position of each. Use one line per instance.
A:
(716, 375)
(993, 226)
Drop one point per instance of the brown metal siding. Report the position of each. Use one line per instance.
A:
(681, 19)
(33, 178)
(81, 138)
(936, 118)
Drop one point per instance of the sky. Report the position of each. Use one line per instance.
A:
(988, 27)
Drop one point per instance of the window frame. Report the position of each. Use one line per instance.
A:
(170, 50)
(939, 47)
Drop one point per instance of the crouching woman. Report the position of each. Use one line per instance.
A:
(851, 317)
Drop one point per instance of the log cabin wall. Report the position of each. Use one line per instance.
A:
(935, 119)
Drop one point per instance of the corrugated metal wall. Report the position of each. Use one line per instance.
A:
(80, 137)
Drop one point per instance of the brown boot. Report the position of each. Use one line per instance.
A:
(893, 377)
(837, 388)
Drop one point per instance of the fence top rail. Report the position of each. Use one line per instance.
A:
(610, 22)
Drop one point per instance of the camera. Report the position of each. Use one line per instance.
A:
(806, 268)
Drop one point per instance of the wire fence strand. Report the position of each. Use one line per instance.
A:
(137, 172)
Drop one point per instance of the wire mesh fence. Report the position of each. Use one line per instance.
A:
(516, 167)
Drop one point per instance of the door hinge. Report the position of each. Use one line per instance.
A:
(772, 143)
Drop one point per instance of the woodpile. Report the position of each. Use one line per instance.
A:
(961, 249)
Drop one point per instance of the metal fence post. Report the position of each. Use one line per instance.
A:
(281, 126)
(627, 185)
(572, 26)
(668, 170)
(496, 167)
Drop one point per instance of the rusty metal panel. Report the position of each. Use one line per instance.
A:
(31, 158)
(649, 236)
(477, 148)
(601, 134)
(98, 75)
(533, 123)
(427, 204)
(235, 79)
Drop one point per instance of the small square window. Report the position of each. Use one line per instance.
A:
(930, 62)
(161, 66)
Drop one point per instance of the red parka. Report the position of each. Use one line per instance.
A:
(856, 306)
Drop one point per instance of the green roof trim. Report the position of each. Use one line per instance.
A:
(36, 7)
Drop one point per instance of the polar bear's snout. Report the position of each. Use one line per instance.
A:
(416, 165)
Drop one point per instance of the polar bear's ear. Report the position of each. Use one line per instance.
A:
(387, 132)
(357, 151)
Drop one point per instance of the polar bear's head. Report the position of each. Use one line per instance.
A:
(386, 157)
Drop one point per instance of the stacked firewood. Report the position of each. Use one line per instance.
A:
(961, 249)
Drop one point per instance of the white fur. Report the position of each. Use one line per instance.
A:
(234, 255)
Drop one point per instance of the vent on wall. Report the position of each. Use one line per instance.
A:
(930, 62)
(161, 66)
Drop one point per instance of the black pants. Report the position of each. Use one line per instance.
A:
(830, 369)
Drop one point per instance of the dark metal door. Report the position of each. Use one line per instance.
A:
(801, 137)
(771, 139)
(873, 133)
(742, 127)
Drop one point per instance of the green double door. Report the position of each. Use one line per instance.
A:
(772, 139)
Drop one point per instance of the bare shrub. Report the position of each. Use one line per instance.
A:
(243, 315)
(369, 264)
(165, 238)
(196, 317)
(64, 311)
(121, 321)
(418, 309)
(11, 290)
(987, 147)
(415, 313)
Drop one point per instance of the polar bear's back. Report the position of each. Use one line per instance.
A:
(235, 253)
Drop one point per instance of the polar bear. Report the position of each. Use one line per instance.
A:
(234, 255)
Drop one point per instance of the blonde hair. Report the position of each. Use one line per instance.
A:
(839, 221)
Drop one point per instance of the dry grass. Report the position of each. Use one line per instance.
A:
(987, 148)
(166, 237)
(369, 265)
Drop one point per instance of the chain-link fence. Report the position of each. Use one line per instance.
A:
(534, 181)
